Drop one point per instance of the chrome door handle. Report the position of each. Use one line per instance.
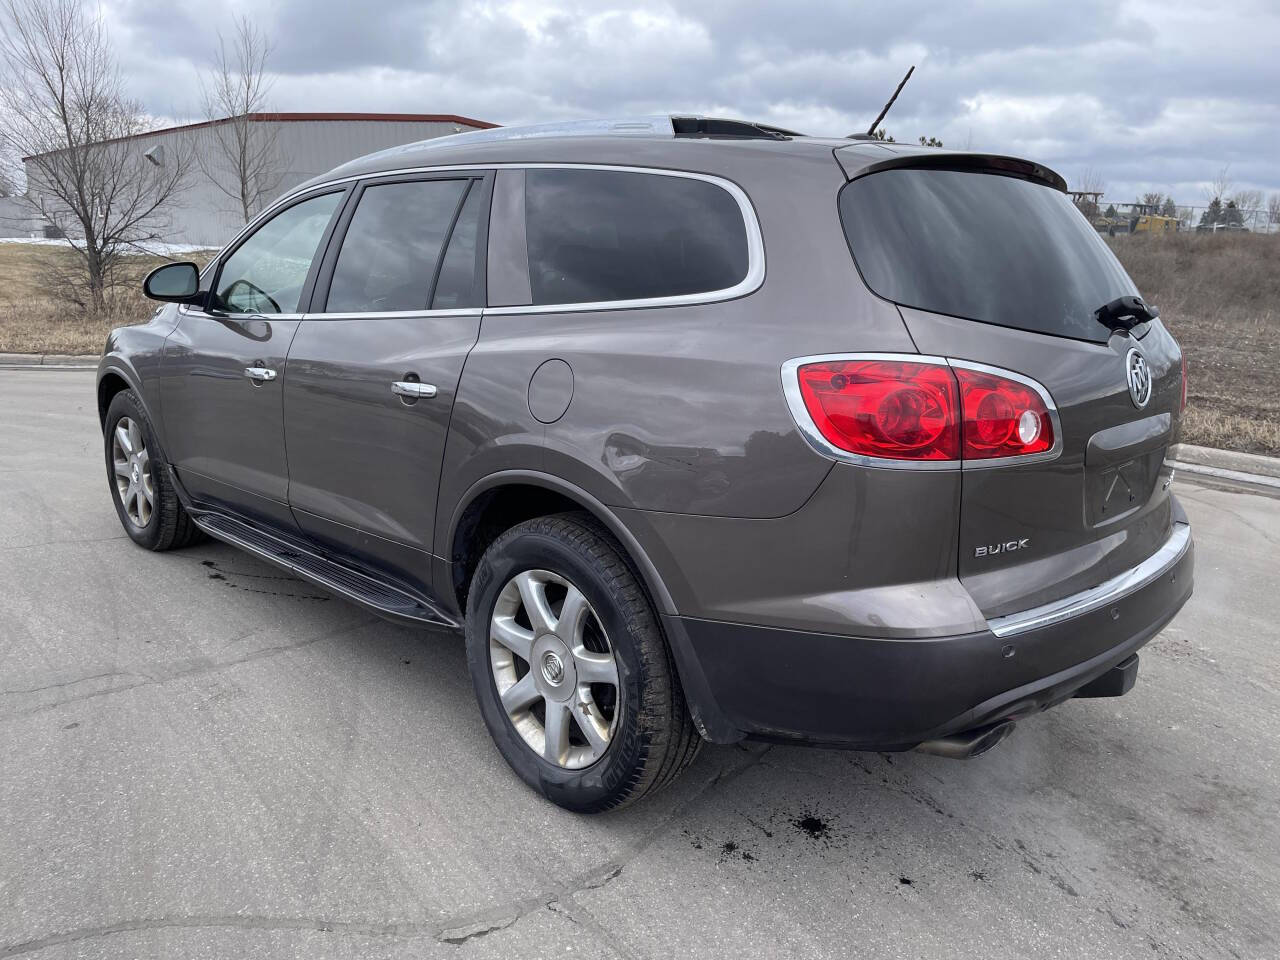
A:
(413, 389)
(260, 374)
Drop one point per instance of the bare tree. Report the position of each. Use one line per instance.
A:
(1089, 182)
(66, 112)
(244, 162)
(1273, 208)
(1249, 203)
(1221, 185)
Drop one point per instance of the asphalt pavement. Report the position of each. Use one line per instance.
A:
(201, 756)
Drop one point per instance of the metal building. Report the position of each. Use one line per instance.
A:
(305, 144)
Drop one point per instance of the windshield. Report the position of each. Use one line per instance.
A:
(982, 246)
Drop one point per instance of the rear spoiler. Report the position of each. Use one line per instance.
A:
(861, 158)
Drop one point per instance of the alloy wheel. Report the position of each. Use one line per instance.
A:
(554, 669)
(132, 465)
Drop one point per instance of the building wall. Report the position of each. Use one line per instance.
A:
(204, 215)
(16, 219)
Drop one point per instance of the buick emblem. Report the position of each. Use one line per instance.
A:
(552, 668)
(1139, 376)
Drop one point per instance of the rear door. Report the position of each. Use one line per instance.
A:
(375, 364)
(1003, 271)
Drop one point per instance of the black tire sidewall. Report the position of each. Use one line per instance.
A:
(125, 404)
(600, 785)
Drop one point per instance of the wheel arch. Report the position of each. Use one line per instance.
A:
(114, 378)
(503, 499)
(535, 494)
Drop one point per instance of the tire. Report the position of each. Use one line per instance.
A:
(148, 506)
(650, 734)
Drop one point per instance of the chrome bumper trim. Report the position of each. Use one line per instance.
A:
(1093, 598)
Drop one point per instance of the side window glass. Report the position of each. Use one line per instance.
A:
(457, 284)
(390, 251)
(267, 272)
(602, 235)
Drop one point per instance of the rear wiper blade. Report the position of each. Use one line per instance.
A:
(1125, 313)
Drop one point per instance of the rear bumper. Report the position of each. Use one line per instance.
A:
(892, 694)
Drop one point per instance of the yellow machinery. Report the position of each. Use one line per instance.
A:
(1153, 223)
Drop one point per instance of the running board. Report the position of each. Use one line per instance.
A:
(382, 598)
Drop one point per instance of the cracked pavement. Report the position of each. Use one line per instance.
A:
(201, 756)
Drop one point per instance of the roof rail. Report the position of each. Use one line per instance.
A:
(642, 126)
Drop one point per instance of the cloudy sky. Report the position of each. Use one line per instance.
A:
(1150, 95)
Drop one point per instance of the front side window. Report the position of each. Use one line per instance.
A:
(392, 249)
(266, 273)
(606, 235)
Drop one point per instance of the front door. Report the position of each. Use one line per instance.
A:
(223, 367)
(375, 364)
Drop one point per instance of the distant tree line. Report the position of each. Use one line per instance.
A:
(884, 135)
(1227, 207)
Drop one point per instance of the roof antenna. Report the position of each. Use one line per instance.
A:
(871, 130)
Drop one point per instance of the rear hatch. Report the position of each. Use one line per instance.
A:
(993, 264)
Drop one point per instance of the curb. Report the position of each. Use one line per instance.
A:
(1236, 470)
(1233, 479)
(54, 361)
(1189, 456)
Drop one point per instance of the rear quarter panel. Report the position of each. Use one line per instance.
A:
(680, 409)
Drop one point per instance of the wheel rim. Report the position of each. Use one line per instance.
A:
(554, 669)
(132, 472)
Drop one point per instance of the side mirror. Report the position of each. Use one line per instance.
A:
(174, 283)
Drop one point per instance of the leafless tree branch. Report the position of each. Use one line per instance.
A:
(1220, 186)
(66, 112)
(243, 162)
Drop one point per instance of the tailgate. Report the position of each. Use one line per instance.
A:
(991, 263)
(1035, 533)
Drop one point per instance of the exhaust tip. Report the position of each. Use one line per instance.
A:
(970, 743)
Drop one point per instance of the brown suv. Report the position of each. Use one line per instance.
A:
(700, 429)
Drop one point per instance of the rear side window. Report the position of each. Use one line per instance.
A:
(457, 286)
(604, 235)
(983, 247)
(393, 246)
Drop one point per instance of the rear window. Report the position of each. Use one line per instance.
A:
(602, 235)
(983, 247)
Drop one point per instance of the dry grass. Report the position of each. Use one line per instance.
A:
(31, 321)
(1220, 295)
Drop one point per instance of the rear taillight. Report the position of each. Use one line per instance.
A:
(931, 410)
(893, 409)
(1002, 417)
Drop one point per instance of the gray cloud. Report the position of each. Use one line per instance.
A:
(1152, 95)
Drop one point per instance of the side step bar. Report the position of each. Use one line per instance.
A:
(392, 602)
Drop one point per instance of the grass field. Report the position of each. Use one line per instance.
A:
(32, 321)
(1220, 295)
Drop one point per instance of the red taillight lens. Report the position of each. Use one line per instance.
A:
(884, 408)
(1002, 417)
